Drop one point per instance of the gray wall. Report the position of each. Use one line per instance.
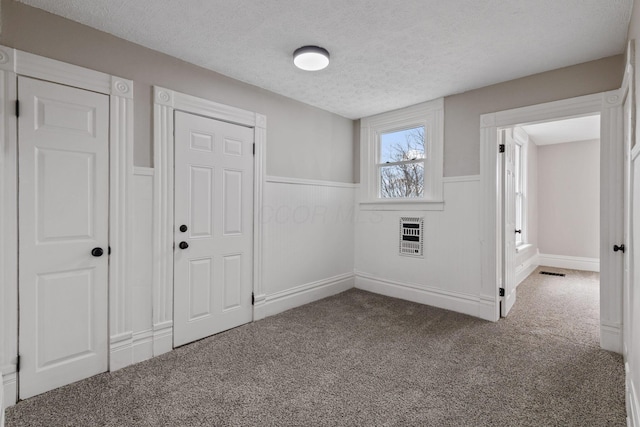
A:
(462, 112)
(302, 141)
(569, 199)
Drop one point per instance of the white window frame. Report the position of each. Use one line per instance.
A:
(431, 116)
(522, 140)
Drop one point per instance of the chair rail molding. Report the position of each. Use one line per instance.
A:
(609, 106)
(166, 101)
(14, 63)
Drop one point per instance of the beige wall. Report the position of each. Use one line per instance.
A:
(569, 199)
(462, 112)
(302, 141)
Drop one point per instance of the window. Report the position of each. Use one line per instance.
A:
(401, 158)
(401, 167)
(520, 189)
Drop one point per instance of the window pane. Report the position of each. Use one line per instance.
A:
(402, 145)
(405, 180)
(518, 168)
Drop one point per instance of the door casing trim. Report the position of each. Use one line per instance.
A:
(166, 101)
(609, 106)
(14, 63)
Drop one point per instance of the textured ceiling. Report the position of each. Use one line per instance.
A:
(384, 54)
(569, 130)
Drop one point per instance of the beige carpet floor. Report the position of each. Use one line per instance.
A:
(362, 359)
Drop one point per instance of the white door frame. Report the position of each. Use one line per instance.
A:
(167, 101)
(14, 63)
(609, 106)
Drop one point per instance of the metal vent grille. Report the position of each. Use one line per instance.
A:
(549, 273)
(411, 236)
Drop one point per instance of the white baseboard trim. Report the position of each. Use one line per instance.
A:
(633, 404)
(120, 352)
(258, 307)
(9, 390)
(304, 294)
(488, 308)
(162, 337)
(611, 336)
(570, 262)
(469, 304)
(142, 346)
(130, 348)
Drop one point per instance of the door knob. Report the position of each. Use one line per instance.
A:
(183, 245)
(97, 252)
(519, 231)
(617, 248)
(183, 228)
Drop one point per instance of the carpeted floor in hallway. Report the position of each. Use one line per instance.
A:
(363, 359)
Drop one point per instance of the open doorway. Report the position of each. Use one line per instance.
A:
(557, 195)
(551, 207)
(498, 289)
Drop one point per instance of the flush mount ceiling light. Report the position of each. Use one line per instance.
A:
(311, 58)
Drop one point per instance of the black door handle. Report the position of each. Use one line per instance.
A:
(519, 231)
(97, 252)
(617, 248)
(183, 228)
(183, 245)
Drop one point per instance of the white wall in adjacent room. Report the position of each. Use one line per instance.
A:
(569, 199)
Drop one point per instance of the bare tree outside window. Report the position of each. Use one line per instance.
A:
(402, 164)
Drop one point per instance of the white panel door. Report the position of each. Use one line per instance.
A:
(63, 138)
(509, 218)
(213, 227)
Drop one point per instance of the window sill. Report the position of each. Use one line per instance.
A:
(523, 247)
(402, 205)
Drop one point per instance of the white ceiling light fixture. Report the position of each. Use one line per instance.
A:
(311, 58)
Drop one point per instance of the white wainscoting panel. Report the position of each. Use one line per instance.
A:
(449, 274)
(308, 241)
(570, 262)
(136, 345)
(142, 260)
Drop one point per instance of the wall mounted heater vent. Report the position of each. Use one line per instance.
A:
(411, 236)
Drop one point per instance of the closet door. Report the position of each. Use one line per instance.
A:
(63, 138)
